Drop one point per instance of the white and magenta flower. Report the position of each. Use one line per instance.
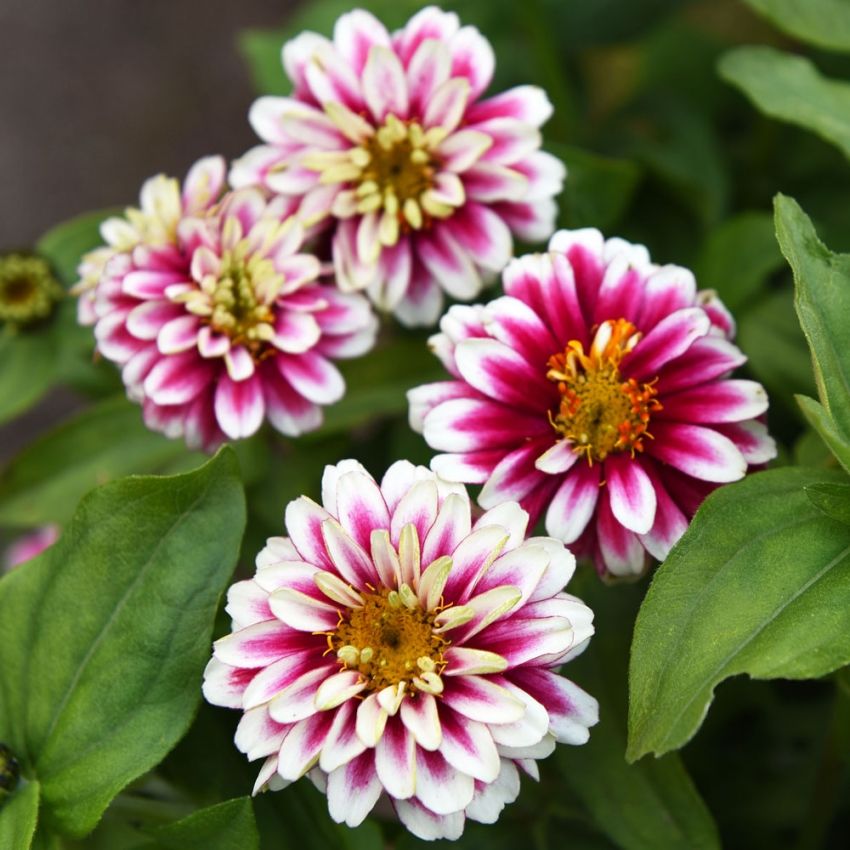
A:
(163, 202)
(225, 324)
(29, 546)
(596, 391)
(386, 139)
(394, 650)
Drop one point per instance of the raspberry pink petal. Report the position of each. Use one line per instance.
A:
(502, 374)
(428, 69)
(520, 641)
(429, 23)
(360, 507)
(462, 425)
(698, 451)
(722, 401)
(257, 735)
(464, 661)
(350, 559)
(353, 790)
(422, 720)
(522, 568)
(177, 379)
(308, 126)
(558, 458)
(297, 701)
(514, 476)
(289, 412)
(473, 58)
(528, 104)
(239, 406)
(113, 340)
(342, 744)
(484, 235)
(439, 787)
(211, 344)
(530, 728)
(395, 760)
(332, 81)
(354, 35)
(489, 182)
(489, 800)
(258, 645)
(515, 324)
(447, 261)
(312, 375)
(670, 523)
(470, 560)
(384, 84)
(418, 507)
(224, 685)
(302, 745)
(277, 676)
(295, 333)
(451, 526)
(478, 698)
(146, 320)
(621, 549)
(751, 439)
(302, 611)
(632, 495)
(426, 397)
(708, 358)
(508, 516)
(543, 172)
(446, 106)
(669, 289)
(574, 503)
(204, 183)
(468, 746)
(463, 149)
(239, 363)
(670, 338)
(338, 689)
(148, 284)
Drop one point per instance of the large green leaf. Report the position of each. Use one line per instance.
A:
(818, 417)
(641, 806)
(832, 499)
(103, 638)
(28, 369)
(759, 584)
(738, 257)
(226, 826)
(790, 88)
(44, 482)
(18, 817)
(822, 299)
(825, 23)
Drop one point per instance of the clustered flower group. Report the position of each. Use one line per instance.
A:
(401, 645)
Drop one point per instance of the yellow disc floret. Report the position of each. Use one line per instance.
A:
(599, 412)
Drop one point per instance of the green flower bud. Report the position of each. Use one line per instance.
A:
(28, 289)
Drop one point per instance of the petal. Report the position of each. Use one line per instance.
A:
(632, 495)
(425, 824)
(297, 701)
(515, 324)
(417, 507)
(303, 612)
(302, 745)
(484, 236)
(472, 57)
(353, 790)
(224, 685)
(439, 787)
(178, 335)
(422, 720)
(395, 760)
(260, 645)
(446, 106)
(514, 476)
(468, 746)
(371, 720)
(384, 84)
(522, 568)
(490, 799)
(360, 506)
(348, 556)
(523, 103)
(701, 452)
(295, 333)
(354, 35)
(339, 688)
(480, 699)
(342, 744)
(620, 549)
(177, 379)
(277, 676)
(452, 524)
(669, 339)
(721, 401)
(574, 503)
(239, 406)
(471, 559)
(449, 263)
(313, 376)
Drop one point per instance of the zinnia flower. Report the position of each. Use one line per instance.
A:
(29, 546)
(392, 648)
(597, 390)
(387, 138)
(223, 323)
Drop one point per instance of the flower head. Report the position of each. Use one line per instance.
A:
(29, 546)
(390, 647)
(598, 392)
(223, 323)
(28, 289)
(386, 140)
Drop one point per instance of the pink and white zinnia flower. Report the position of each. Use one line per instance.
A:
(386, 137)
(223, 323)
(597, 390)
(393, 649)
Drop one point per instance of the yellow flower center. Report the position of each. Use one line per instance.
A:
(28, 289)
(236, 308)
(599, 412)
(390, 641)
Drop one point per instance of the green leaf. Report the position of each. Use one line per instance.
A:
(227, 826)
(822, 300)
(831, 499)
(738, 257)
(28, 370)
(770, 336)
(66, 243)
(598, 189)
(103, 638)
(823, 423)
(18, 817)
(44, 482)
(790, 88)
(759, 585)
(825, 23)
(641, 806)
